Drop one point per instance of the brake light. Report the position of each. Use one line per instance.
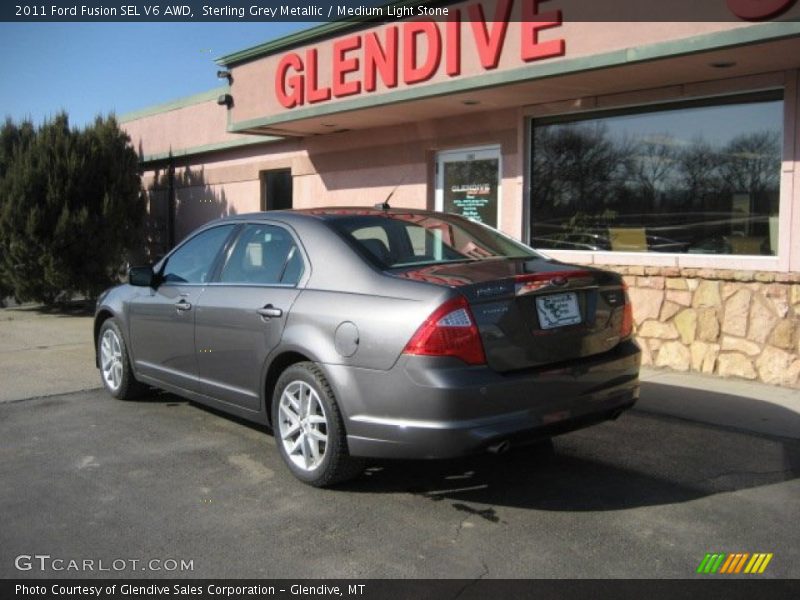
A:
(449, 331)
(627, 315)
(532, 282)
(547, 276)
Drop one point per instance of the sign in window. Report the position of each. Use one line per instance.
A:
(468, 184)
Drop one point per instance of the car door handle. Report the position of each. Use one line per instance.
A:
(183, 305)
(269, 311)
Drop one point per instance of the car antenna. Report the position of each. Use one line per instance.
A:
(385, 204)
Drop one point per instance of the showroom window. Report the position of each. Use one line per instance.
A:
(698, 177)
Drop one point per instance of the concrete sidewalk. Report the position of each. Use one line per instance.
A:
(44, 354)
(733, 403)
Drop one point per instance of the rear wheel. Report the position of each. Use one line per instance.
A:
(309, 430)
(114, 361)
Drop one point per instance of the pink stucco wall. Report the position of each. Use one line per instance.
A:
(349, 168)
(362, 167)
(180, 129)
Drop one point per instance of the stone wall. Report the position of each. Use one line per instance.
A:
(729, 323)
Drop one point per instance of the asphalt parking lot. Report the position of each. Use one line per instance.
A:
(87, 477)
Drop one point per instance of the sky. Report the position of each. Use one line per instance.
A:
(98, 68)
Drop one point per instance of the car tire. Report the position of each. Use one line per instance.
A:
(309, 429)
(115, 365)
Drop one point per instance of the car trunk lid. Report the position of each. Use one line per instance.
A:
(533, 312)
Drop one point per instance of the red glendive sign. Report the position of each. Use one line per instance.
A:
(414, 51)
(755, 10)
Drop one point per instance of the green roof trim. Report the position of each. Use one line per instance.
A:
(314, 34)
(156, 109)
(686, 46)
(208, 148)
(294, 39)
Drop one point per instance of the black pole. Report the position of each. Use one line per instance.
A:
(171, 203)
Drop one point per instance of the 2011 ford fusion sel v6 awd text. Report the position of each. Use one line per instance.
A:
(362, 333)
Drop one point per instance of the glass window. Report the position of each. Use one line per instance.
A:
(398, 240)
(700, 178)
(368, 233)
(263, 254)
(419, 238)
(276, 189)
(193, 261)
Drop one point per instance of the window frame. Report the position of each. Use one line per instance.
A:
(215, 263)
(231, 244)
(787, 92)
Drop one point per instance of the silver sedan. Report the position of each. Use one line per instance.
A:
(358, 333)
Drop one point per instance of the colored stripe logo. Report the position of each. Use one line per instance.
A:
(734, 563)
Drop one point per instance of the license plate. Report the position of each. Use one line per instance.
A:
(558, 310)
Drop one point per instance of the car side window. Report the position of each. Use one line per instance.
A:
(263, 254)
(193, 261)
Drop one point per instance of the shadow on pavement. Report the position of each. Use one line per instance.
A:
(765, 415)
(639, 460)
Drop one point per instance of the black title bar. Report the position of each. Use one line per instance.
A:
(381, 10)
(730, 588)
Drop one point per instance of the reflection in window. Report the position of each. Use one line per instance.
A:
(699, 179)
(401, 240)
(264, 255)
(193, 261)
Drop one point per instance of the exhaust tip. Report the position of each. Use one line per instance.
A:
(500, 448)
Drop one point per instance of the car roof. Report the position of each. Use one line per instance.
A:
(328, 213)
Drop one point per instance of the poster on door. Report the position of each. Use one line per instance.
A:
(470, 189)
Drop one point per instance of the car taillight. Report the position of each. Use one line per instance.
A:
(449, 331)
(627, 315)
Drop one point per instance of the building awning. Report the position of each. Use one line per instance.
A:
(754, 49)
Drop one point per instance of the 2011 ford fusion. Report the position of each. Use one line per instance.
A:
(373, 332)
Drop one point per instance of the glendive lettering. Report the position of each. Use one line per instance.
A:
(361, 60)
(757, 10)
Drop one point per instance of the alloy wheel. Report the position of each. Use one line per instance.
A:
(303, 425)
(111, 359)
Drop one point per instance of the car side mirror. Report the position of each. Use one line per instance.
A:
(141, 276)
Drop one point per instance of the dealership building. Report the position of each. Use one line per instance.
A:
(668, 151)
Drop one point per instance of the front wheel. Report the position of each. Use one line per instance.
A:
(309, 430)
(115, 365)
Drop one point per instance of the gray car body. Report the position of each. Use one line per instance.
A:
(353, 320)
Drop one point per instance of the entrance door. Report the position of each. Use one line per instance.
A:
(468, 183)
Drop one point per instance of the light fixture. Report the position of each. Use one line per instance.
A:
(225, 75)
(723, 64)
(225, 100)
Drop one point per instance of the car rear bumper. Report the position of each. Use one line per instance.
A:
(439, 408)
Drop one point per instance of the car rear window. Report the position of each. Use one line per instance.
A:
(400, 240)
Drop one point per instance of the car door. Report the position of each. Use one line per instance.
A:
(240, 317)
(162, 319)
